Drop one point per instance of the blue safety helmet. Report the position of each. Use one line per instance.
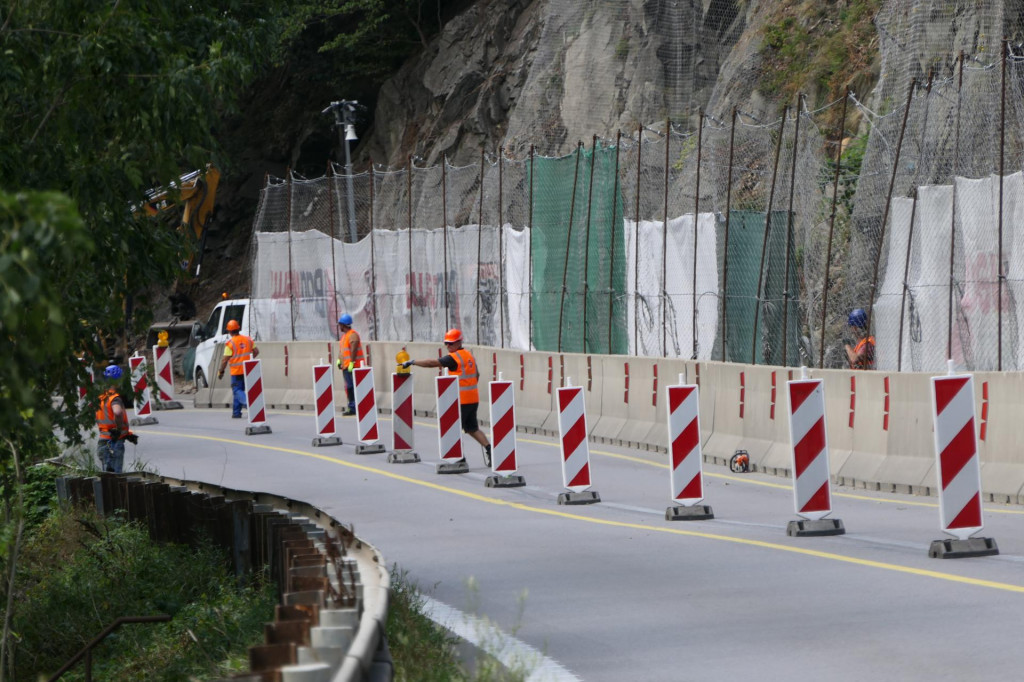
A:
(858, 318)
(112, 372)
(345, 319)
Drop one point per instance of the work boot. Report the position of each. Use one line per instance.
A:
(348, 412)
(487, 456)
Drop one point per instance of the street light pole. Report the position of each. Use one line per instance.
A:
(343, 111)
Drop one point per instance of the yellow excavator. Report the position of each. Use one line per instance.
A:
(194, 194)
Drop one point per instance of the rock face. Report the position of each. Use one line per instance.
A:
(513, 73)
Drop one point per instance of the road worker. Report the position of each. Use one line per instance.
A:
(112, 422)
(350, 356)
(237, 350)
(460, 363)
(861, 354)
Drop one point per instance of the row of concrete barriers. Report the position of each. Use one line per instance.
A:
(879, 425)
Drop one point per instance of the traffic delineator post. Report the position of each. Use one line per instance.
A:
(958, 468)
(323, 400)
(574, 446)
(366, 412)
(686, 476)
(163, 368)
(504, 464)
(449, 420)
(809, 442)
(140, 387)
(402, 448)
(256, 409)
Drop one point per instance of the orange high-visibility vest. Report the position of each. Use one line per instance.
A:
(241, 350)
(468, 376)
(351, 349)
(105, 421)
(866, 346)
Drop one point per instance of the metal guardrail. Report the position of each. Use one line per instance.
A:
(329, 623)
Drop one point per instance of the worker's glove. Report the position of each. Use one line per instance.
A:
(220, 374)
(338, 363)
(133, 438)
(408, 363)
(351, 366)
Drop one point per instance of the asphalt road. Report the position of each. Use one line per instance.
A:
(612, 591)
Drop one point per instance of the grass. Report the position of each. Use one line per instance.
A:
(79, 572)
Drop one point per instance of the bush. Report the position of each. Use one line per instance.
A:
(80, 572)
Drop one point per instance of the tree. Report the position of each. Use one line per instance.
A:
(100, 99)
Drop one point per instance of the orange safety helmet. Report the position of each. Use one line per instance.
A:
(233, 326)
(452, 335)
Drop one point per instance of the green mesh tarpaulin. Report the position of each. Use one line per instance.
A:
(746, 238)
(577, 242)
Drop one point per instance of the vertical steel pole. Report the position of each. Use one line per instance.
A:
(789, 235)
(412, 303)
(728, 214)
(501, 243)
(586, 243)
(696, 217)
(444, 242)
(767, 231)
(636, 245)
(952, 217)
(888, 200)
(479, 240)
(568, 244)
(334, 233)
(373, 265)
(906, 275)
(831, 228)
(1002, 158)
(529, 293)
(664, 246)
(611, 259)
(291, 268)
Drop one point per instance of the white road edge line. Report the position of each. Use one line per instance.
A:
(506, 649)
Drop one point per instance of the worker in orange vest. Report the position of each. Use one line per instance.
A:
(112, 422)
(862, 354)
(461, 363)
(350, 356)
(237, 350)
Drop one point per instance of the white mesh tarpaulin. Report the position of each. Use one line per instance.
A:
(644, 287)
(303, 281)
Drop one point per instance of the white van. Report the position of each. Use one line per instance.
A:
(209, 335)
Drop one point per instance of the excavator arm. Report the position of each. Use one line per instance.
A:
(194, 193)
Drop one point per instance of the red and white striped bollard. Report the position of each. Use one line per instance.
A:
(501, 398)
(958, 468)
(366, 412)
(685, 456)
(255, 405)
(323, 400)
(140, 387)
(575, 448)
(809, 441)
(402, 449)
(163, 368)
(449, 421)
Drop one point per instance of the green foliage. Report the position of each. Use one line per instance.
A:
(421, 650)
(81, 572)
(100, 101)
(819, 46)
(369, 39)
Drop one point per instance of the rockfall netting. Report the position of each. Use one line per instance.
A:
(739, 239)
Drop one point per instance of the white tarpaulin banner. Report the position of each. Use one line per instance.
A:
(303, 281)
(646, 327)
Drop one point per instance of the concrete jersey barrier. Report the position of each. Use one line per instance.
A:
(879, 424)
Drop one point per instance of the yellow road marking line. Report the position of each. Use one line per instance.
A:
(617, 524)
